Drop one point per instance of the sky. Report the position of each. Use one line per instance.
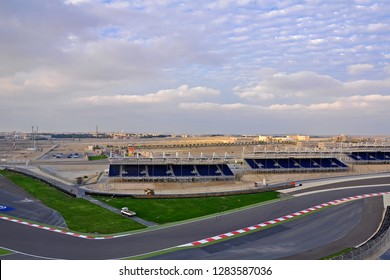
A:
(196, 67)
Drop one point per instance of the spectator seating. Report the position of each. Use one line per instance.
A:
(295, 164)
(372, 156)
(156, 171)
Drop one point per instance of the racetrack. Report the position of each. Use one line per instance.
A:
(48, 244)
(25, 206)
(311, 237)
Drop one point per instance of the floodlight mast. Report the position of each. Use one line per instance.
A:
(33, 138)
(15, 140)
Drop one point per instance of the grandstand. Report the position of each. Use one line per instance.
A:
(367, 157)
(169, 172)
(171, 167)
(295, 164)
(296, 160)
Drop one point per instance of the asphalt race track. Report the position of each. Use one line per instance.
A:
(311, 237)
(46, 244)
(24, 206)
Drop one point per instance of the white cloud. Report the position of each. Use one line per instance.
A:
(374, 27)
(219, 4)
(253, 58)
(347, 105)
(172, 96)
(257, 92)
(305, 85)
(293, 9)
(213, 106)
(370, 103)
(343, 104)
(29, 83)
(76, 2)
(317, 41)
(359, 68)
(309, 88)
(285, 107)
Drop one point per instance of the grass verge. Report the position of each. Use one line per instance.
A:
(79, 214)
(83, 216)
(97, 157)
(170, 210)
(342, 252)
(4, 252)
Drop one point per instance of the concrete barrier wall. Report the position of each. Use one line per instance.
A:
(194, 195)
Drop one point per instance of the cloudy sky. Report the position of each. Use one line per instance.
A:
(224, 66)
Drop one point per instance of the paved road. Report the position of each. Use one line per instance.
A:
(51, 245)
(311, 237)
(25, 206)
(350, 182)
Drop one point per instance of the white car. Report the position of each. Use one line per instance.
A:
(125, 211)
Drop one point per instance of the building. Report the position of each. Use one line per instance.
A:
(265, 139)
(299, 138)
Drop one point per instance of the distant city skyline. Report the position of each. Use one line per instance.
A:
(25, 133)
(197, 67)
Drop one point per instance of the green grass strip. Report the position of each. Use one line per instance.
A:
(172, 210)
(79, 214)
(5, 252)
(158, 253)
(97, 157)
(342, 252)
(85, 217)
